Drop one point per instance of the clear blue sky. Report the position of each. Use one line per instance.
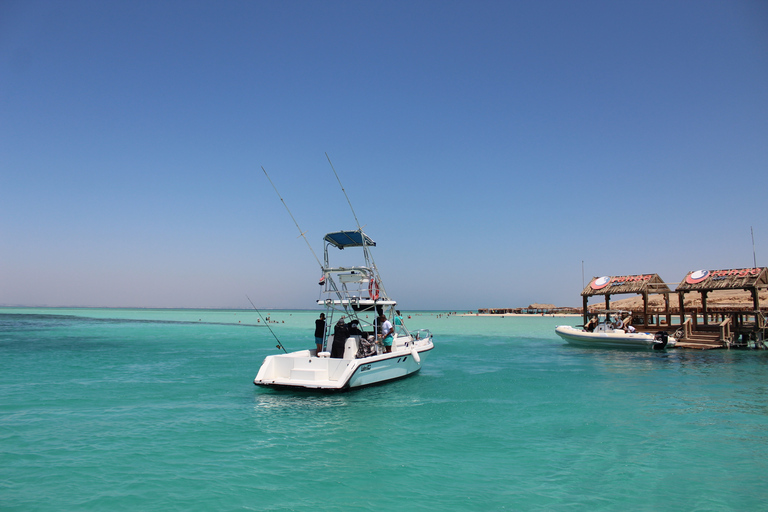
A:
(488, 147)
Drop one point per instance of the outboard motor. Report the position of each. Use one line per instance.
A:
(660, 340)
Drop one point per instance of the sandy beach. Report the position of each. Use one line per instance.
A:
(715, 299)
(719, 298)
(550, 315)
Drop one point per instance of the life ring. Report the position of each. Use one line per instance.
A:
(373, 289)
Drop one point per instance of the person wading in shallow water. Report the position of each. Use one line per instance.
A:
(320, 332)
(387, 332)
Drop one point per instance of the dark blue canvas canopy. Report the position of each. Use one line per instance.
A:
(342, 239)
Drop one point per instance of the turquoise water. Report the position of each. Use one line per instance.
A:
(105, 409)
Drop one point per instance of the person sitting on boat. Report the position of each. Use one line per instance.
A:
(590, 326)
(387, 332)
(367, 345)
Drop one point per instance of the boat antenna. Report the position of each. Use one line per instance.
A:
(301, 233)
(279, 345)
(345, 192)
(754, 258)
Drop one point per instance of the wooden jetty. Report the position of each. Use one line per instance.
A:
(735, 326)
(704, 327)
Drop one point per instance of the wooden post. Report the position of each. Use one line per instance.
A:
(645, 307)
(584, 301)
(704, 306)
(681, 298)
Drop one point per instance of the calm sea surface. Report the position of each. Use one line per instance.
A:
(117, 409)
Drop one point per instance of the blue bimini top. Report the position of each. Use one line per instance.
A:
(342, 239)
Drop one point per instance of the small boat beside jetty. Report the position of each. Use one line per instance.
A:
(613, 329)
(354, 351)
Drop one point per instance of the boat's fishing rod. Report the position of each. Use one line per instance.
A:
(279, 344)
(301, 233)
(345, 193)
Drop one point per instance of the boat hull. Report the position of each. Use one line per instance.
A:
(304, 370)
(617, 339)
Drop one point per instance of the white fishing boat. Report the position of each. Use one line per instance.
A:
(613, 329)
(353, 355)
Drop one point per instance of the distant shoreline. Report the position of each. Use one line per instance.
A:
(502, 315)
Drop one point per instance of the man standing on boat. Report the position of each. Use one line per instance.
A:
(387, 332)
(320, 332)
(399, 323)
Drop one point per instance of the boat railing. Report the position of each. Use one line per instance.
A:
(687, 328)
(356, 283)
(725, 331)
(761, 329)
(421, 334)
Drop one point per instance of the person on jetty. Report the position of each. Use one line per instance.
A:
(387, 332)
(320, 332)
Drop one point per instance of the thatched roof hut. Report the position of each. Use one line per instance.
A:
(641, 284)
(732, 279)
(705, 281)
(546, 307)
(615, 285)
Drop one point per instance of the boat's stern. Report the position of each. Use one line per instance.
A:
(301, 370)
